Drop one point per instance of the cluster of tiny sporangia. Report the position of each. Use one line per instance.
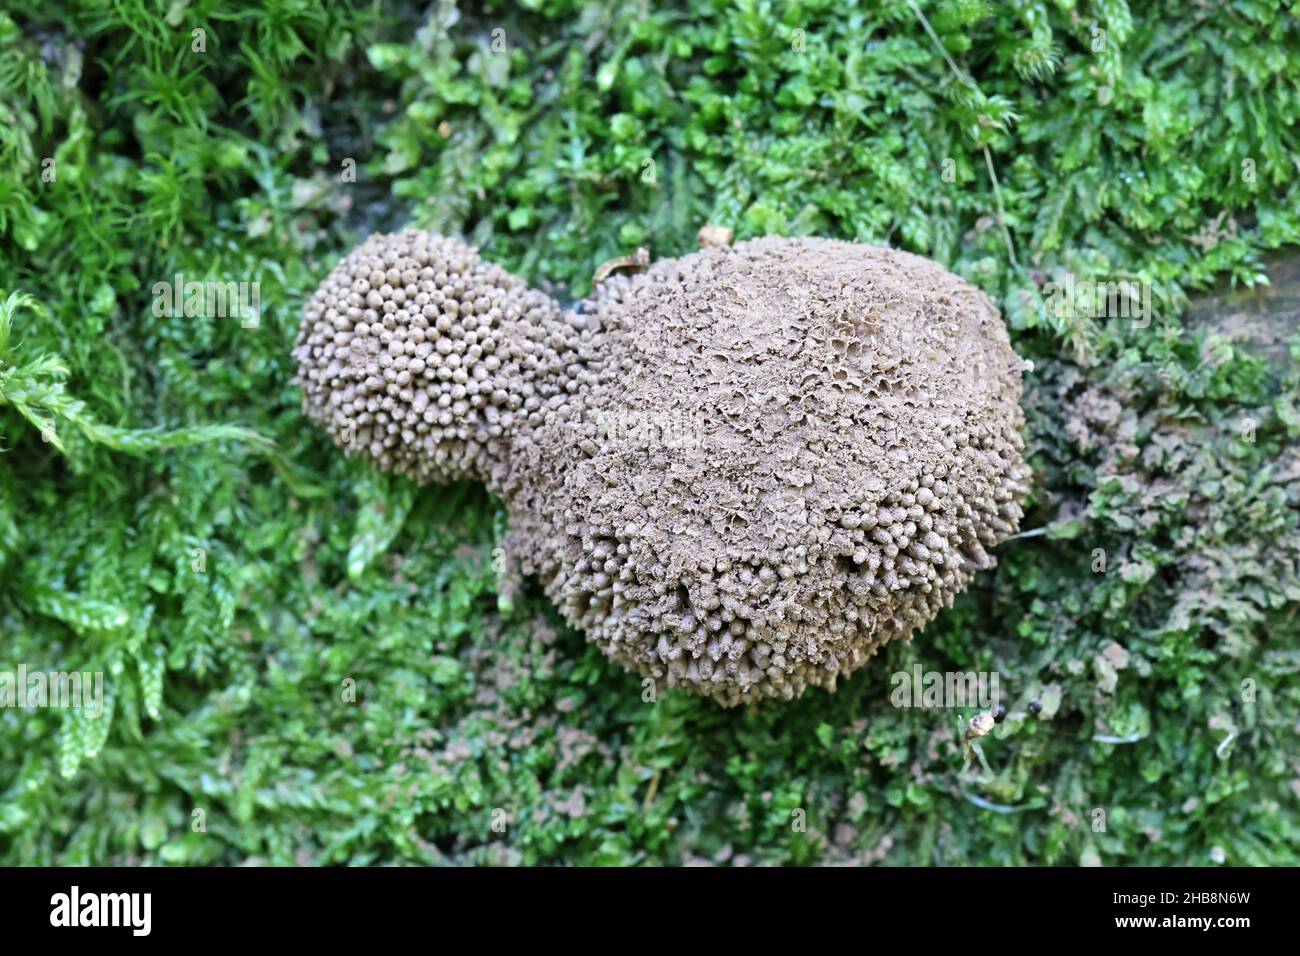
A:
(420, 356)
(765, 607)
(417, 354)
(747, 625)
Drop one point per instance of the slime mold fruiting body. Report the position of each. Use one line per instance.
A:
(741, 472)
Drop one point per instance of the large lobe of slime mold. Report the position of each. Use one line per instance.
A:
(741, 472)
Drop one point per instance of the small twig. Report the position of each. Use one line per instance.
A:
(1221, 751)
(636, 262)
(1031, 533)
(651, 790)
(935, 37)
(1107, 739)
(1002, 215)
(997, 807)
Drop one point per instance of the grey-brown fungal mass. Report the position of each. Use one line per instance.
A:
(741, 472)
(417, 354)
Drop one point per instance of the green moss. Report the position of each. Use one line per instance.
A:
(315, 656)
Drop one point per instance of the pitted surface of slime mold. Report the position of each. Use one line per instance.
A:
(740, 472)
